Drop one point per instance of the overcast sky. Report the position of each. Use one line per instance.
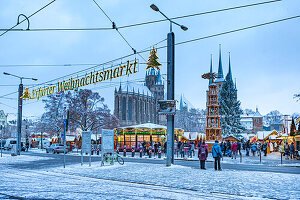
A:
(265, 60)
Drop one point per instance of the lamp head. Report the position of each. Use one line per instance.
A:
(35, 79)
(154, 7)
(6, 73)
(184, 28)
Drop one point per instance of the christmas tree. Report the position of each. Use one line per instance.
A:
(230, 110)
(293, 128)
(152, 61)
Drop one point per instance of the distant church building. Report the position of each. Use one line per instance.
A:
(136, 103)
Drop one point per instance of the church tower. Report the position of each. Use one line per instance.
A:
(220, 77)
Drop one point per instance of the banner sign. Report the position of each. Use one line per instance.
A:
(107, 141)
(91, 78)
(166, 107)
(86, 142)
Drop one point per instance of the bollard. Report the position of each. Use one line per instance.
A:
(159, 152)
(260, 157)
(98, 151)
(150, 152)
(124, 151)
(92, 150)
(240, 158)
(141, 153)
(132, 151)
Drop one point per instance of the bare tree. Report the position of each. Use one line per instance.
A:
(88, 111)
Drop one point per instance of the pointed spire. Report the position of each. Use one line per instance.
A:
(220, 76)
(210, 80)
(229, 71)
(181, 103)
(159, 81)
(235, 83)
(120, 88)
(220, 69)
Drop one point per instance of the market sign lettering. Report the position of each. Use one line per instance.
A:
(75, 83)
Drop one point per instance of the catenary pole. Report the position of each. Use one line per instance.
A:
(170, 95)
(19, 119)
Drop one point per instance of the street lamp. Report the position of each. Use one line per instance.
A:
(170, 84)
(20, 102)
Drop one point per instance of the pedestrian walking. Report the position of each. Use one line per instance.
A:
(193, 148)
(222, 145)
(155, 148)
(253, 148)
(233, 150)
(217, 155)
(264, 148)
(286, 150)
(292, 150)
(247, 147)
(202, 154)
(239, 146)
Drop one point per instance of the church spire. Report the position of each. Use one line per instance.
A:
(229, 71)
(210, 80)
(181, 103)
(159, 81)
(220, 69)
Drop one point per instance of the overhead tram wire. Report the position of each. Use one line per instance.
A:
(28, 17)
(179, 43)
(46, 65)
(144, 23)
(233, 31)
(201, 13)
(117, 29)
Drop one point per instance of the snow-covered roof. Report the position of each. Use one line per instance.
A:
(262, 134)
(246, 119)
(146, 125)
(130, 87)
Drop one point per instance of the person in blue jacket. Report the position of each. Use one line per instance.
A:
(254, 148)
(217, 154)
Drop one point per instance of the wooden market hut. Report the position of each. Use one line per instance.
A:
(149, 132)
(231, 138)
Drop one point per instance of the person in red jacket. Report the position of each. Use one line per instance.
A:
(202, 154)
(233, 150)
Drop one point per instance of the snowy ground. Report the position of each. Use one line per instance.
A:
(8, 159)
(144, 181)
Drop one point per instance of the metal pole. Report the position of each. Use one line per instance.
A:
(19, 120)
(170, 96)
(281, 157)
(65, 146)
(42, 141)
(81, 156)
(259, 156)
(1, 139)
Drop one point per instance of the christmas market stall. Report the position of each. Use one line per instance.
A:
(132, 136)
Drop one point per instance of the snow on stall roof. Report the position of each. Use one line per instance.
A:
(262, 134)
(146, 125)
(247, 119)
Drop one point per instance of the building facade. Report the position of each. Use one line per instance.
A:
(253, 122)
(136, 103)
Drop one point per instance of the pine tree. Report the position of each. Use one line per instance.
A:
(230, 110)
(153, 60)
(293, 128)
